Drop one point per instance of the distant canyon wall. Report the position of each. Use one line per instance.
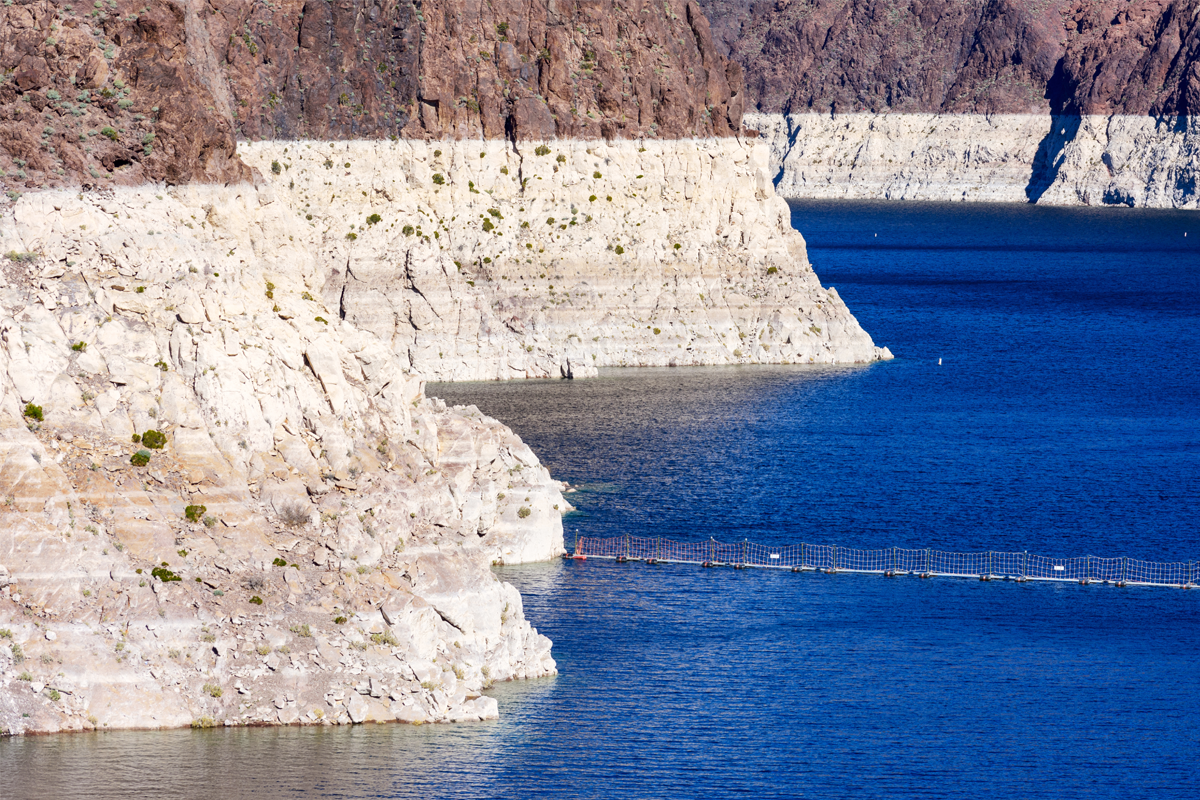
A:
(1063, 101)
(1124, 160)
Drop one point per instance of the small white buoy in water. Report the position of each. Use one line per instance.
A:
(939, 362)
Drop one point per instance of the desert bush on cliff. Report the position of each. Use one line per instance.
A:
(293, 514)
(165, 575)
(140, 459)
(24, 257)
(154, 439)
(523, 512)
(33, 412)
(194, 513)
(541, 149)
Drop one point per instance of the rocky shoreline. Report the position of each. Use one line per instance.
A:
(224, 496)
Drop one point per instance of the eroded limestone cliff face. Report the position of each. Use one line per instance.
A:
(331, 528)
(129, 92)
(490, 261)
(1127, 160)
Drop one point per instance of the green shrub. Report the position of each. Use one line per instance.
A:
(279, 562)
(79, 347)
(352, 236)
(162, 365)
(110, 132)
(523, 512)
(302, 631)
(657, 331)
(374, 219)
(276, 168)
(212, 690)
(407, 230)
(140, 459)
(619, 250)
(488, 226)
(385, 638)
(24, 257)
(592, 199)
(25, 676)
(18, 653)
(154, 439)
(678, 245)
(194, 513)
(438, 178)
(597, 175)
(165, 575)
(541, 149)
(137, 438)
(33, 412)
(256, 600)
(321, 320)
(770, 270)
(339, 620)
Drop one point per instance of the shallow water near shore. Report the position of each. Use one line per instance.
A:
(1063, 420)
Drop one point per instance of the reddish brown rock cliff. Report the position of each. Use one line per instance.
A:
(985, 56)
(123, 92)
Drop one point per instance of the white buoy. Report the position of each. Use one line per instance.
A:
(939, 362)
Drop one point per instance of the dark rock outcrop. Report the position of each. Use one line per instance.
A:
(124, 92)
(981, 56)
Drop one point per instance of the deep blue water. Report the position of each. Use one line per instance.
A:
(1064, 419)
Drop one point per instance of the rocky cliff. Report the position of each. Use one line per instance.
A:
(978, 56)
(129, 92)
(1061, 102)
(219, 507)
(238, 238)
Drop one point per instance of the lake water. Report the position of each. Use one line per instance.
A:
(1064, 419)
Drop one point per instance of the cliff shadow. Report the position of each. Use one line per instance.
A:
(1050, 154)
(1065, 119)
(793, 133)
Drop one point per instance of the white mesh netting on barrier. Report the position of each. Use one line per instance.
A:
(987, 565)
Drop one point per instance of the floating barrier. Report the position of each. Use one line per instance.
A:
(892, 561)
